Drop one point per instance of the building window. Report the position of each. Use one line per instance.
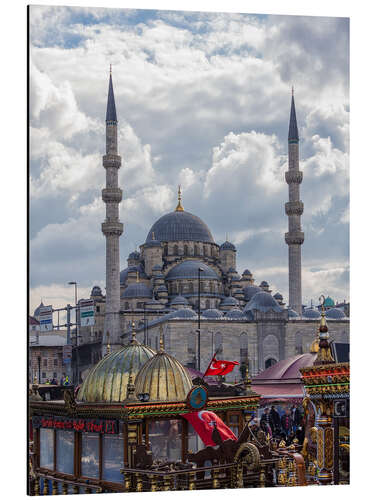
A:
(165, 438)
(90, 455)
(205, 251)
(46, 448)
(54, 374)
(140, 305)
(196, 251)
(97, 309)
(126, 305)
(218, 343)
(270, 362)
(45, 361)
(65, 451)
(186, 250)
(113, 458)
(175, 249)
(207, 304)
(43, 374)
(55, 362)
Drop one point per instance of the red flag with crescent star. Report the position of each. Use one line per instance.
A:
(204, 423)
(220, 367)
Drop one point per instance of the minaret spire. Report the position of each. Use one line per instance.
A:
(294, 238)
(179, 207)
(112, 228)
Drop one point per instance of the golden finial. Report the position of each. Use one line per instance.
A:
(179, 207)
(161, 340)
(314, 348)
(137, 276)
(324, 355)
(108, 344)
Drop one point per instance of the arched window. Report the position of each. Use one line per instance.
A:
(271, 348)
(207, 304)
(205, 253)
(196, 252)
(218, 342)
(244, 350)
(175, 249)
(269, 362)
(186, 250)
(191, 287)
(165, 250)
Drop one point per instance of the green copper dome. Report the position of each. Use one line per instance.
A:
(107, 381)
(329, 302)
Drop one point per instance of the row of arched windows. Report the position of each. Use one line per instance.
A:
(208, 250)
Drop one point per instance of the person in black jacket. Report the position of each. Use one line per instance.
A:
(296, 417)
(275, 419)
(266, 422)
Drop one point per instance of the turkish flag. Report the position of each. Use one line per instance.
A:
(204, 423)
(220, 367)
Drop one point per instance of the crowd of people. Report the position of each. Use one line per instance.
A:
(286, 426)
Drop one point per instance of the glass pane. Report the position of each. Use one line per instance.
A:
(233, 419)
(194, 441)
(46, 448)
(113, 458)
(90, 455)
(165, 438)
(65, 451)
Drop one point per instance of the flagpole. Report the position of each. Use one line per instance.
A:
(213, 357)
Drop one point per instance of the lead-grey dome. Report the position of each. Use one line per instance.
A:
(212, 313)
(124, 273)
(229, 301)
(292, 313)
(184, 314)
(96, 291)
(310, 313)
(179, 300)
(134, 255)
(227, 245)
(235, 314)
(180, 226)
(189, 269)
(335, 313)
(250, 291)
(137, 290)
(264, 302)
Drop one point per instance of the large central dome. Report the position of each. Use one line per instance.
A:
(180, 226)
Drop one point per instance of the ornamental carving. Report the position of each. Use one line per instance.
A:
(111, 161)
(294, 208)
(293, 177)
(295, 238)
(112, 195)
(112, 228)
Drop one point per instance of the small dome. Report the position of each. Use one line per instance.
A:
(107, 381)
(180, 226)
(264, 302)
(329, 302)
(162, 288)
(179, 300)
(278, 296)
(228, 246)
(229, 301)
(335, 313)
(212, 313)
(131, 269)
(250, 291)
(135, 290)
(246, 273)
(292, 314)
(134, 255)
(96, 291)
(264, 283)
(184, 314)
(235, 314)
(189, 269)
(164, 378)
(310, 313)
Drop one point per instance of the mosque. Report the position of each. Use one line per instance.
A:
(181, 282)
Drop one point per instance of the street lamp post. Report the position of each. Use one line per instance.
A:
(76, 333)
(199, 318)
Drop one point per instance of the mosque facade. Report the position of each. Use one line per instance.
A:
(184, 285)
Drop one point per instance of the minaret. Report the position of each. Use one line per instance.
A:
(294, 209)
(112, 228)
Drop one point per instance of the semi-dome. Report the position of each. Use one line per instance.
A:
(107, 381)
(227, 245)
(212, 313)
(310, 313)
(250, 291)
(131, 269)
(292, 314)
(229, 301)
(235, 314)
(335, 313)
(264, 302)
(189, 269)
(180, 226)
(179, 300)
(184, 314)
(164, 378)
(135, 290)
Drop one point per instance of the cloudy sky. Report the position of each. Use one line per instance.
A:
(203, 100)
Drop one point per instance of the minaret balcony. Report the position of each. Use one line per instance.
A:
(294, 238)
(294, 208)
(112, 228)
(112, 195)
(293, 176)
(111, 161)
